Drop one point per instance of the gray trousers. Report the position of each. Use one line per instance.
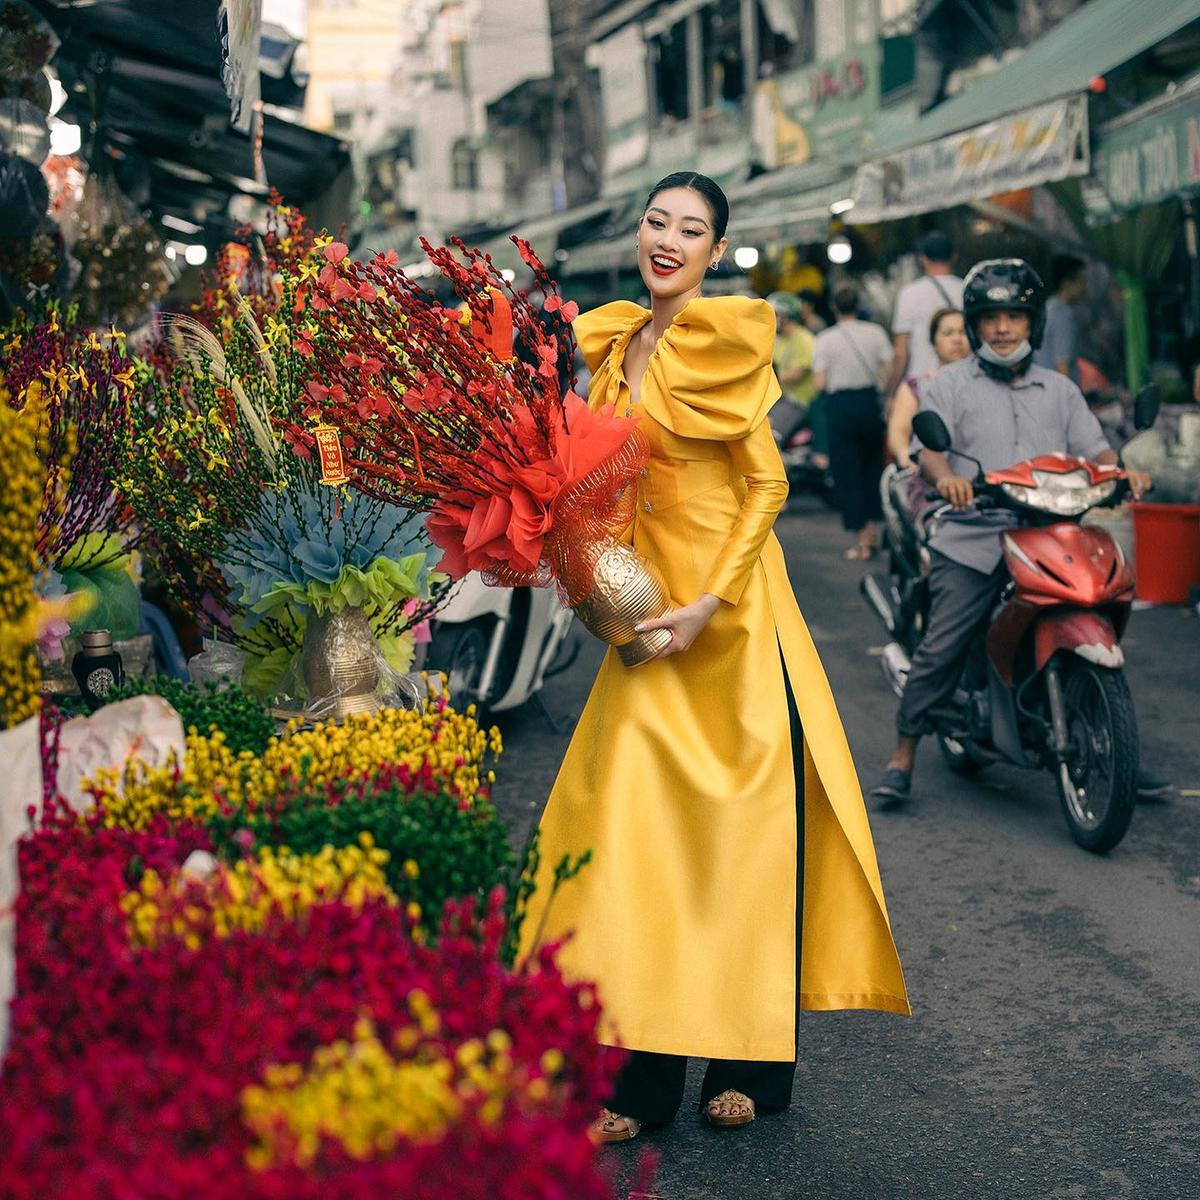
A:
(960, 600)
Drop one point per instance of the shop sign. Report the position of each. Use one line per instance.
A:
(820, 111)
(621, 60)
(1028, 148)
(240, 28)
(1147, 161)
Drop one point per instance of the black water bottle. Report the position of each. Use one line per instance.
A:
(97, 667)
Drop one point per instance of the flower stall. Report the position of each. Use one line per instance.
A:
(279, 956)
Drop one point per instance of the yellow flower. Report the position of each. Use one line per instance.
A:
(248, 894)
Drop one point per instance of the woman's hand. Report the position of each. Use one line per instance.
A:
(685, 624)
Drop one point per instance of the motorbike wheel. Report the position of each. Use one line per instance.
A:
(459, 652)
(962, 756)
(1098, 783)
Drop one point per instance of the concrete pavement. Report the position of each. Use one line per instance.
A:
(1054, 1051)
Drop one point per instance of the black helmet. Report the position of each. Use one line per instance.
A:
(1004, 283)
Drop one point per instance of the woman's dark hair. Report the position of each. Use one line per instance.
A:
(718, 205)
(935, 322)
(845, 299)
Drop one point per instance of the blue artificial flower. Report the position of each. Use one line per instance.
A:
(318, 560)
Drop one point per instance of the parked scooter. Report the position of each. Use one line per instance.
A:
(497, 646)
(1044, 686)
(807, 471)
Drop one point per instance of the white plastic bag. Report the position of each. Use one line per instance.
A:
(20, 789)
(144, 726)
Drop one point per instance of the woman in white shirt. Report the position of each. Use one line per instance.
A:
(848, 365)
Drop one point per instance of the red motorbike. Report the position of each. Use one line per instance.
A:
(1044, 687)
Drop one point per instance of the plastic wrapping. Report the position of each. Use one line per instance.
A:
(219, 663)
(343, 669)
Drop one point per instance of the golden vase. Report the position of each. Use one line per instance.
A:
(339, 661)
(626, 588)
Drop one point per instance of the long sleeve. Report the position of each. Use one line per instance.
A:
(757, 459)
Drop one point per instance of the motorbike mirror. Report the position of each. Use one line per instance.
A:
(931, 431)
(1145, 406)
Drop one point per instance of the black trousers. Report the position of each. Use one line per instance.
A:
(960, 600)
(856, 445)
(650, 1086)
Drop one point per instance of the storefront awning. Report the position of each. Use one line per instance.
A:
(1149, 155)
(550, 232)
(1034, 146)
(1022, 125)
(1093, 41)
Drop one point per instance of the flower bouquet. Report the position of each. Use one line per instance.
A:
(461, 411)
(257, 539)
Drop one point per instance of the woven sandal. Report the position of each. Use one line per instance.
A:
(729, 1120)
(604, 1128)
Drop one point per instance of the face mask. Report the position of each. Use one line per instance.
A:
(1005, 360)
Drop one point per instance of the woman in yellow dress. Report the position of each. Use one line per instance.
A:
(733, 878)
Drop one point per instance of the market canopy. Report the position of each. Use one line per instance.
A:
(151, 81)
(1024, 124)
(1094, 40)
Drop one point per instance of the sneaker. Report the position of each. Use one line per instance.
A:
(1151, 787)
(894, 785)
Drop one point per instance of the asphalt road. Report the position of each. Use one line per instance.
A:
(1054, 1050)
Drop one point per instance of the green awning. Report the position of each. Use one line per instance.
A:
(1093, 41)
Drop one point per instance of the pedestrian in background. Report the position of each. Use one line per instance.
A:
(810, 309)
(793, 361)
(912, 352)
(848, 364)
(948, 335)
(1059, 350)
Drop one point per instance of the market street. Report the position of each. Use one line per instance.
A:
(1054, 1050)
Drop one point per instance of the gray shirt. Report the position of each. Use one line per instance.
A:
(1001, 424)
(1060, 342)
(851, 355)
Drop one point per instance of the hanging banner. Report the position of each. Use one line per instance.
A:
(240, 26)
(621, 60)
(1145, 161)
(823, 111)
(1028, 148)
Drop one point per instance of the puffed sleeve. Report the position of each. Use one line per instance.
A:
(711, 376)
(599, 329)
(756, 457)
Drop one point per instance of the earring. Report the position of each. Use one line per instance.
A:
(715, 265)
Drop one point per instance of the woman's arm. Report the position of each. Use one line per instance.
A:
(756, 458)
(899, 426)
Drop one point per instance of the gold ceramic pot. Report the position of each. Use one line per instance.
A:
(339, 661)
(626, 588)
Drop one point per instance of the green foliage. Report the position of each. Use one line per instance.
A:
(457, 851)
(566, 869)
(244, 722)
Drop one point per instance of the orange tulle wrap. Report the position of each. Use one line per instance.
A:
(537, 522)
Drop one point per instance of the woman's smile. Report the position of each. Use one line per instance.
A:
(664, 264)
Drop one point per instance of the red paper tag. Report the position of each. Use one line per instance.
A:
(329, 446)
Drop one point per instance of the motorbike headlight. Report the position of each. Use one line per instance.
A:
(1066, 495)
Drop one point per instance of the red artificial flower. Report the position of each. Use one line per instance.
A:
(567, 309)
(510, 525)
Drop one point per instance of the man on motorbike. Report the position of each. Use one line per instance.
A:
(1000, 408)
